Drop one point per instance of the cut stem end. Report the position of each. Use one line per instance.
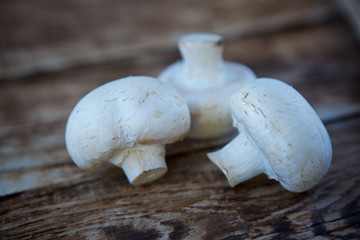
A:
(143, 164)
(239, 160)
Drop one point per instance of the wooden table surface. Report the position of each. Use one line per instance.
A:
(50, 58)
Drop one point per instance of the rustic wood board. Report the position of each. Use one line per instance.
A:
(194, 201)
(43, 36)
(47, 196)
(33, 111)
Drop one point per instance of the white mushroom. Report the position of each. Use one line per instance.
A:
(128, 122)
(207, 83)
(279, 135)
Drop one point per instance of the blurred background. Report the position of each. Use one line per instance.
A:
(53, 52)
(45, 36)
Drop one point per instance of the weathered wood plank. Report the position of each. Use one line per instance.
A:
(351, 9)
(44, 36)
(47, 196)
(33, 116)
(194, 201)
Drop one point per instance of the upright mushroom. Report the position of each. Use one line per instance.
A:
(206, 82)
(127, 122)
(279, 135)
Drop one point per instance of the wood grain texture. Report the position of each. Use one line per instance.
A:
(45, 196)
(42, 36)
(33, 116)
(194, 201)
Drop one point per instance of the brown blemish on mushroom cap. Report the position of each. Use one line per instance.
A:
(256, 110)
(262, 112)
(246, 95)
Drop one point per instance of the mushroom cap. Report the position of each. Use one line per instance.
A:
(206, 82)
(233, 74)
(286, 129)
(210, 115)
(122, 114)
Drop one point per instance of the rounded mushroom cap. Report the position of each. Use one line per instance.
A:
(210, 115)
(206, 82)
(123, 113)
(287, 130)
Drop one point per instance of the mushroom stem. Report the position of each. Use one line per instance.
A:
(203, 62)
(143, 163)
(239, 160)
